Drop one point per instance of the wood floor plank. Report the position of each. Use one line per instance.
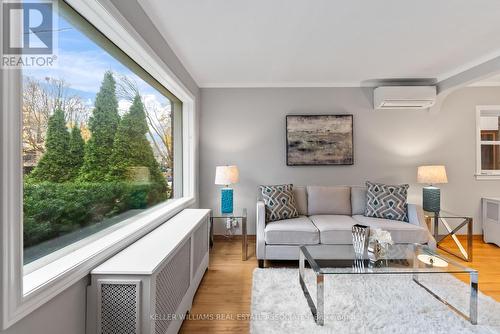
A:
(486, 259)
(222, 303)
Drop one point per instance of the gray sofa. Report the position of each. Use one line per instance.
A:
(326, 215)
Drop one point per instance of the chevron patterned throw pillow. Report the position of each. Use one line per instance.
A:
(386, 201)
(279, 201)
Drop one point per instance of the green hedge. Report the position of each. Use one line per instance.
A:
(54, 209)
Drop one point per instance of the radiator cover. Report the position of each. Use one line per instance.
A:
(150, 285)
(172, 284)
(491, 220)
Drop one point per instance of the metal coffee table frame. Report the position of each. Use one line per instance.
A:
(318, 310)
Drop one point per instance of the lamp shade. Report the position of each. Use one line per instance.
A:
(225, 175)
(432, 174)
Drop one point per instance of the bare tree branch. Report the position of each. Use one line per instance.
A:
(159, 123)
(40, 99)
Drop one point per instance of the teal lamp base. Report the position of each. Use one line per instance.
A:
(431, 197)
(226, 200)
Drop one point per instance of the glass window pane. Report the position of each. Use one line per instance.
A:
(97, 140)
(490, 157)
(489, 124)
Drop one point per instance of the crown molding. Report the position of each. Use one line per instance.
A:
(281, 85)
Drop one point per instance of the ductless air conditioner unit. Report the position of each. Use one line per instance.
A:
(404, 97)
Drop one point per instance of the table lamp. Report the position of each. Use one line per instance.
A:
(226, 175)
(431, 195)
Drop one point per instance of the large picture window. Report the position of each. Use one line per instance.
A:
(96, 152)
(98, 142)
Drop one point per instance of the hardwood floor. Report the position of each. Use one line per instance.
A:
(486, 260)
(222, 303)
(225, 290)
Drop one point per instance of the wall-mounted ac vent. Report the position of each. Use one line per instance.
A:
(404, 97)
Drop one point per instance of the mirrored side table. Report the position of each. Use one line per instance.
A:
(238, 214)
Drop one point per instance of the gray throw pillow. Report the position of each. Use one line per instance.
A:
(387, 201)
(279, 202)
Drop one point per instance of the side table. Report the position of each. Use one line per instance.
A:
(240, 214)
(442, 218)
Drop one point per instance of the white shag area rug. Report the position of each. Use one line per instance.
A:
(366, 304)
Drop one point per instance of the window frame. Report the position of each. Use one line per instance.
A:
(480, 173)
(20, 295)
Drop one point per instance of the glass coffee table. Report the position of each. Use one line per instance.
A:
(410, 259)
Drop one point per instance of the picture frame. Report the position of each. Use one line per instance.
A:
(320, 140)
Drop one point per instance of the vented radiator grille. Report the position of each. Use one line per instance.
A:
(200, 245)
(492, 211)
(172, 283)
(119, 313)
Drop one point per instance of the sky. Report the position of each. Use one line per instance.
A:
(82, 63)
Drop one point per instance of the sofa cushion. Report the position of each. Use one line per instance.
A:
(358, 200)
(401, 232)
(279, 201)
(328, 200)
(295, 231)
(334, 229)
(386, 201)
(300, 194)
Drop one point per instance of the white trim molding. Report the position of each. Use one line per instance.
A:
(486, 177)
(20, 295)
(283, 85)
(11, 199)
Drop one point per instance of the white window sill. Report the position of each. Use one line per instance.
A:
(485, 177)
(44, 283)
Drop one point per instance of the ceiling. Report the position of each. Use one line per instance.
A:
(266, 43)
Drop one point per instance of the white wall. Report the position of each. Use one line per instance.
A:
(65, 314)
(246, 127)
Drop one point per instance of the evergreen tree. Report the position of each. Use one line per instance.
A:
(54, 166)
(103, 125)
(132, 148)
(76, 152)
